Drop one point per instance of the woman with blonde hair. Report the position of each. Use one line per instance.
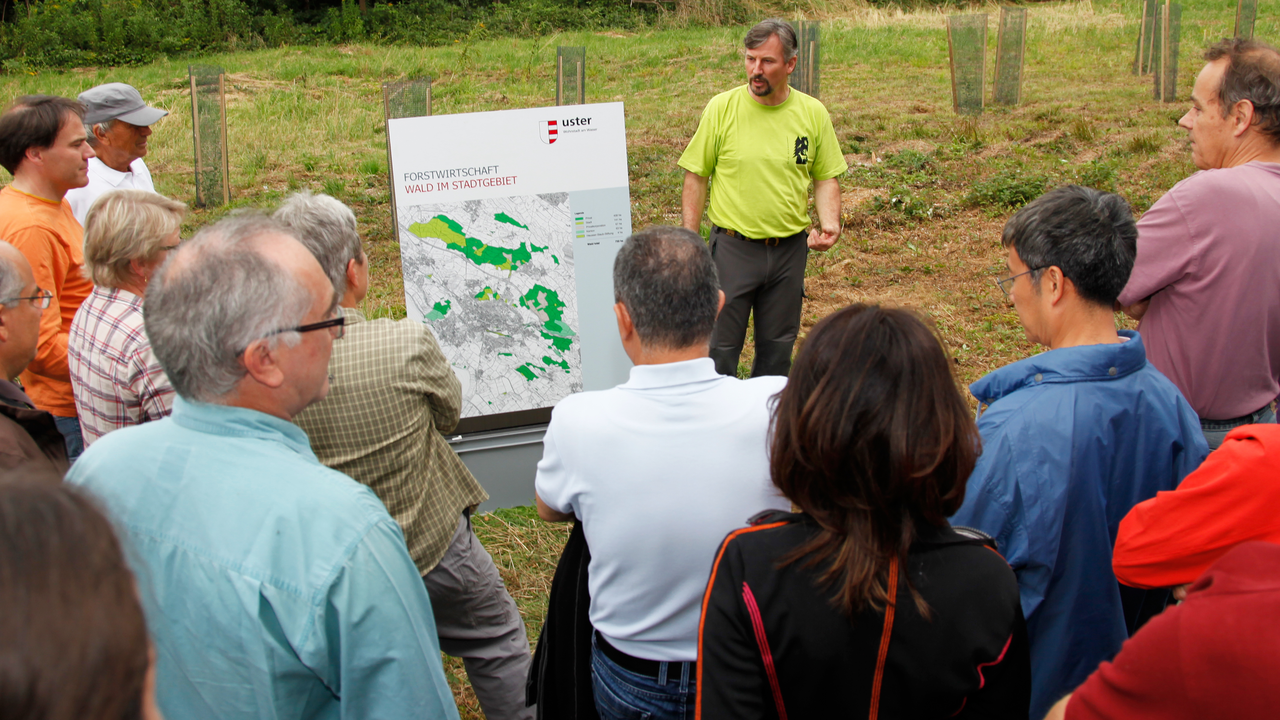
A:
(116, 379)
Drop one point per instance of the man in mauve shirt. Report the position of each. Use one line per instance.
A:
(42, 142)
(1206, 282)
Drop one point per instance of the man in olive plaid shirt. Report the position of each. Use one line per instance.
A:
(391, 395)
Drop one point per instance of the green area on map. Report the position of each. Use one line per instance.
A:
(549, 308)
(439, 310)
(505, 218)
(556, 259)
(451, 233)
(487, 294)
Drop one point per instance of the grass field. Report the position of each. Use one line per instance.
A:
(924, 201)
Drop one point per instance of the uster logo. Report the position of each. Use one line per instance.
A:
(547, 129)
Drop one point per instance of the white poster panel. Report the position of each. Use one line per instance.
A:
(508, 224)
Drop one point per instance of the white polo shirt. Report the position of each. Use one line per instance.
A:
(659, 470)
(103, 179)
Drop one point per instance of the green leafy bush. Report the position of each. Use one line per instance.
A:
(908, 160)
(902, 201)
(1099, 174)
(1010, 188)
(71, 33)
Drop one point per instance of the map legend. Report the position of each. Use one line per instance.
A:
(598, 227)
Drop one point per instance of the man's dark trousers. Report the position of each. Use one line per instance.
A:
(767, 277)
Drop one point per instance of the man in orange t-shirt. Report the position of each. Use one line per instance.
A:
(42, 143)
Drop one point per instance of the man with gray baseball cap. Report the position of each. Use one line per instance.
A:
(118, 122)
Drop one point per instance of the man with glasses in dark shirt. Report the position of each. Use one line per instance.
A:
(27, 435)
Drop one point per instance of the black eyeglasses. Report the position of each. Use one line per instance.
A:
(41, 299)
(1006, 284)
(339, 322)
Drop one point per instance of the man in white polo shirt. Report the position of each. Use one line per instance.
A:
(658, 470)
(118, 123)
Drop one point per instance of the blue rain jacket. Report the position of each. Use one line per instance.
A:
(1071, 440)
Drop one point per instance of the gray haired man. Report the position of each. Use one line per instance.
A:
(764, 143)
(393, 393)
(274, 586)
(658, 470)
(118, 123)
(27, 434)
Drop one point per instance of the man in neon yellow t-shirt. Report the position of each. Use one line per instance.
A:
(763, 143)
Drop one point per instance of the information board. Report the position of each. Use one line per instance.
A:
(508, 225)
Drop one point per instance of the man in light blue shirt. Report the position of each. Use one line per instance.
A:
(274, 586)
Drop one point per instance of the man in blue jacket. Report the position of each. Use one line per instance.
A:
(1073, 437)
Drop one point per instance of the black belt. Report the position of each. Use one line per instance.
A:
(639, 666)
(763, 241)
(1242, 420)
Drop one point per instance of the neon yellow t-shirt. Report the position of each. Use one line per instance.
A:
(761, 160)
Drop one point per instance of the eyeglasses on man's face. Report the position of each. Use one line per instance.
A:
(41, 299)
(1006, 284)
(336, 327)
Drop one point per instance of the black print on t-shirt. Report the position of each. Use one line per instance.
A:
(802, 150)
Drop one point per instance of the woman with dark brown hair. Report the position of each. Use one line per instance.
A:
(866, 603)
(73, 641)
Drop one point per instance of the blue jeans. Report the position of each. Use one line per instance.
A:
(1215, 431)
(623, 695)
(70, 429)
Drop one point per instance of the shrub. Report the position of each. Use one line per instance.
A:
(70, 33)
(908, 160)
(1098, 174)
(1008, 189)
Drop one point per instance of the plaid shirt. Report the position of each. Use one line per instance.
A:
(391, 395)
(115, 377)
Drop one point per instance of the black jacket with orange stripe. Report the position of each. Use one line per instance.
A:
(772, 644)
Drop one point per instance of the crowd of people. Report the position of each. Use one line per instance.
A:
(226, 493)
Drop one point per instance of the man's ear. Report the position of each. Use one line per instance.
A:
(1243, 116)
(1054, 284)
(4, 324)
(720, 306)
(352, 270)
(262, 364)
(626, 328)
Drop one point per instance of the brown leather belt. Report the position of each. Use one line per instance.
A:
(763, 241)
(639, 666)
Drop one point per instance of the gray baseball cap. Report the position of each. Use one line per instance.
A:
(117, 101)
